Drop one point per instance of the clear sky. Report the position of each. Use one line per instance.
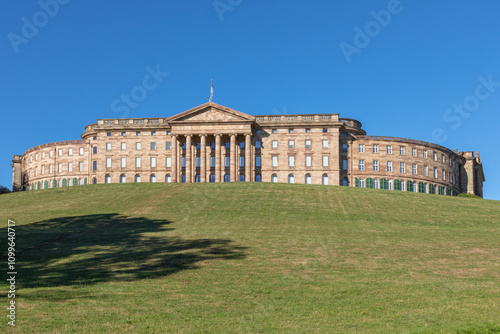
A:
(427, 70)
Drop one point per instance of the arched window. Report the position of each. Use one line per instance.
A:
(75, 181)
(54, 183)
(383, 184)
(432, 189)
(46, 185)
(70, 182)
(153, 178)
(389, 185)
(356, 182)
(409, 186)
(227, 178)
(32, 186)
(369, 182)
(258, 178)
(197, 178)
(308, 178)
(361, 183)
(212, 178)
(242, 178)
(274, 178)
(414, 186)
(85, 181)
(123, 179)
(345, 182)
(375, 183)
(108, 178)
(95, 180)
(291, 178)
(137, 178)
(397, 184)
(168, 178)
(402, 185)
(325, 179)
(421, 188)
(80, 182)
(64, 182)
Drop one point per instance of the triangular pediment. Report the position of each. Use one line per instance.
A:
(211, 112)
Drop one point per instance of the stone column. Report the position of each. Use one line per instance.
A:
(232, 162)
(217, 158)
(188, 159)
(173, 174)
(248, 158)
(203, 156)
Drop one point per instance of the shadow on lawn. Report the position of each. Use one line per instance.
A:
(108, 247)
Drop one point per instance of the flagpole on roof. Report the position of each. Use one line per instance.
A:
(211, 90)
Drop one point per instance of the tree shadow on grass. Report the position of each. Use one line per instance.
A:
(108, 247)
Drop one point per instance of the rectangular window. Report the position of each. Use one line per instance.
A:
(242, 161)
(51, 154)
(108, 134)
(43, 155)
(325, 130)
(123, 146)
(94, 165)
(81, 150)
(325, 161)
(60, 152)
(344, 147)
(108, 146)
(138, 162)
(169, 162)
(414, 169)
(361, 165)
(361, 148)
(425, 170)
(389, 149)
(308, 130)
(402, 150)
(153, 162)
(275, 161)
(290, 130)
(389, 166)
(123, 162)
(257, 161)
(443, 175)
(375, 165)
(308, 144)
(138, 146)
(212, 161)
(402, 167)
(435, 173)
(59, 167)
(291, 144)
(375, 148)
(325, 143)
(138, 133)
(123, 134)
(198, 162)
(51, 169)
(94, 149)
(291, 161)
(70, 151)
(274, 131)
(153, 146)
(153, 133)
(242, 145)
(424, 154)
(70, 166)
(413, 152)
(308, 161)
(258, 145)
(183, 162)
(80, 166)
(344, 164)
(168, 133)
(169, 145)
(227, 161)
(434, 156)
(108, 162)
(442, 159)
(274, 144)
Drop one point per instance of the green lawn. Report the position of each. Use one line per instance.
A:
(251, 258)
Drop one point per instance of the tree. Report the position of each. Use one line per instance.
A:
(4, 190)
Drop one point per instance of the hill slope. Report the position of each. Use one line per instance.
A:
(253, 258)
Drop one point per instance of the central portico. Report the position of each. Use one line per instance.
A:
(205, 137)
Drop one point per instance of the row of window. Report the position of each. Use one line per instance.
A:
(292, 130)
(81, 167)
(54, 183)
(410, 186)
(291, 144)
(137, 133)
(81, 151)
(308, 161)
(414, 170)
(414, 153)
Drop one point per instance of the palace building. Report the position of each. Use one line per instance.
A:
(213, 143)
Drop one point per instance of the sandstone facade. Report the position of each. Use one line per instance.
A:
(212, 143)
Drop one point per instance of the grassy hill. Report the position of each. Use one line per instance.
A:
(252, 258)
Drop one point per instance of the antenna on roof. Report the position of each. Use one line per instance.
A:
(211, 90)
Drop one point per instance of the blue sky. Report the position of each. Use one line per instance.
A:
(411, 68)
